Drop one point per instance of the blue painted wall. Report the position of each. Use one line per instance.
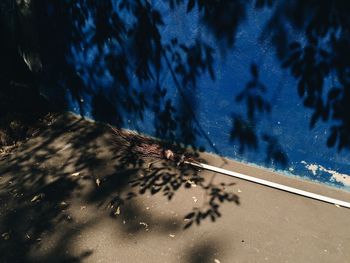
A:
(204, 107)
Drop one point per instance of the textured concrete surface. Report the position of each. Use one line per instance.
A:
(55, 206)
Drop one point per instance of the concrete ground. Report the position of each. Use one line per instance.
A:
(71, 195)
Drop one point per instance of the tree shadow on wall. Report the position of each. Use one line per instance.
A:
(117, 54)
(104, 50)
(117, 47)
(245, 129)
(108, 49)
(310, 40)
(318, 61)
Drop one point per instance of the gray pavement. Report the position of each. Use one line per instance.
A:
(70, 195)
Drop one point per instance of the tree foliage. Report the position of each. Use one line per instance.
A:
(107, 49)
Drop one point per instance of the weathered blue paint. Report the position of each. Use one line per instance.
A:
(215, 101)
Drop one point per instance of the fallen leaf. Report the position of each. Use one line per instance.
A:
(63, 204)
(169, 154)
(191, 183)
(144, 224)
(5, 236)
(117, 211)
(98, 182)
(37, 197)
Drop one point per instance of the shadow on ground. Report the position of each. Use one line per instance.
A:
(72, 166)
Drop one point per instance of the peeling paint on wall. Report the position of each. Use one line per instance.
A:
(335, 176)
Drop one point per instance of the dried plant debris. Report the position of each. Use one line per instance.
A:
(37, 198)
(17, 128)
(143, 146)
(117, 211)
(193, 184)
(165, 172)
(75, 174)
(98, 182)
(5, 151)
(63, 205)
(145, 225)
(5, 236)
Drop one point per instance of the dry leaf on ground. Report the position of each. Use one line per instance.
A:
(98, 182)
(117, 211)
(37, 197)
(193, 184)
(5, 236)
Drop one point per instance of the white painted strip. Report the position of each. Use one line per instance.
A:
(270, 184)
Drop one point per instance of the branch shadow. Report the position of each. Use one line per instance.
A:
(204, 252)
(92, 56)
(105, 167)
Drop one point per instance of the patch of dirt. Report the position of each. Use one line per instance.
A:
(18, 128)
